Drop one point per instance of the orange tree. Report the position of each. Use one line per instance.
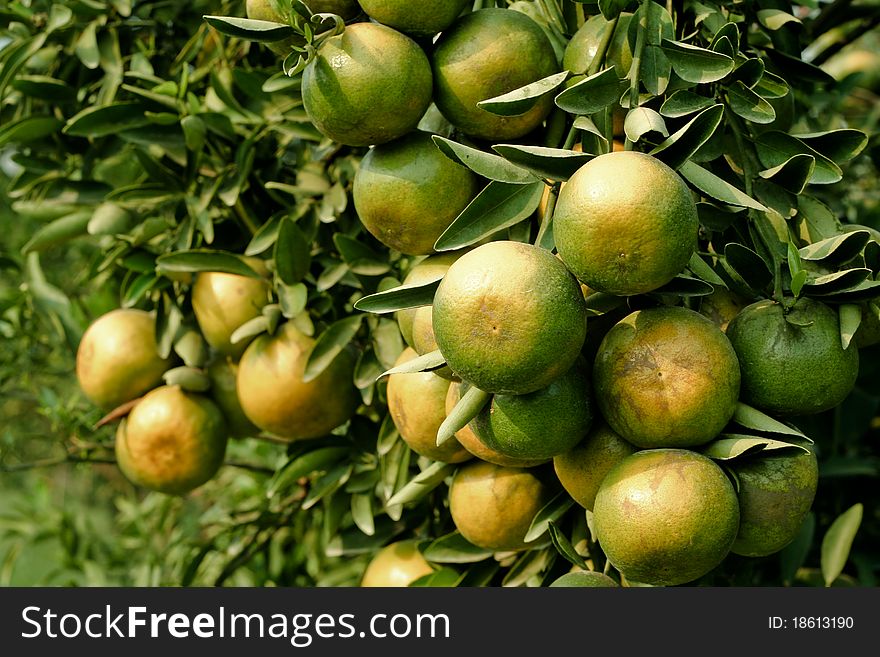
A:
(156, 156)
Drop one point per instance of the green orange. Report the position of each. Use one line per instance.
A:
(223, 373)
(584, 45)
(792, 360)
(397, 188)
(369, 85)
(509, 318)
(666, 516)
(666, 377)
(584, 578)
(420, 19)
(625, 223)
(485, 54)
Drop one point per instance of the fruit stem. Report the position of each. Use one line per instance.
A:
(635, 69)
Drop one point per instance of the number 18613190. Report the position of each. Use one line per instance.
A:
(811, 623)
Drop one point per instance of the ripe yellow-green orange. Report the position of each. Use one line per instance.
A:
(424, 341)
(275, 397)
(420, 19)
(582, 469)
(666, 377)
(398, 188)
(262, 10)
(477, 447)
(584, 578)
(721, 306)
(369, 85)
(223, 373)
(584, 45)
(485, 54)
(509, 318)
(493, 506)
(172, 441)
(541, 424)
(793, 362)
(117, 359)
(666, 516)
(625, 223)
(222, 302)
(776, 491)
(432, 268)
(397, 565)
(417, 404)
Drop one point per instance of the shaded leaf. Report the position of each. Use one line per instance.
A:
(454, 548)
(642, 120)
(488, 165)
(793, 174)
(752, 418)
(564, 547)
(839, 145)
(684, 102)
(718, 188)
(591, 94)
(681, 145)
(695, 64)
(836, 281)
(558, 505)
(252, 30)
(552, 163)
(837, 542)
(519, 101)
(685, 286)
(292, 253)
(203, 260)
(106, 120)
(399, 298)
(749, 105)
(838, 249)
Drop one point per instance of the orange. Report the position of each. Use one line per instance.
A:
(419, 19)
(223, 373)
(582, 49)
(398, 564)
(584, 578)
(432, 268)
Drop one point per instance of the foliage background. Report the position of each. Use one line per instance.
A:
(224, 135)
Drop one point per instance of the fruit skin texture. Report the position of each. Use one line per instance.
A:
(582, 469)
(486, 54)
(223, 373)
(582, 49)
(274, 396)
(222, 302)
(509, 318)
(666, 377)
(541, 424)
(172, 441)
(584, 578)
(791, 369)
(369, 85)
(493, 506)
(397, 188)
(477, 447)
(117, 359)
(424, 341)
(398, 564)
(625, 223)
(666, 516)
(775, 495)
(417, 404)
(419, 19)
(432, 268)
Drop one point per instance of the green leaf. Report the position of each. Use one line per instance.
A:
(840, 145)
(422, 484)
(796, 70)
(362, 512)
(327, 484)
(642, 120)
(772, 86)
(684, 102)
(564, 547)
(550, 512)
(838, 249)
(467, 408)
(59, 231)
(399, 298)
(694, 64)
(29, 128)
(194, 132)
(302, 465)
(330, 343)
(836, 281)
(359, 257)
(797, 282)
(488, 165)
(612, 8)
(443, 577)
(591, 94)
(773, 19)
(704, 271)
(837, 542)
(292, 253)
(425, 363)
(749, 72)
(729, 446)
(527, 566)
(190, 379)
(454, 548)
(203, 260)
(864, 291)
(497, 207)
(519, 101)
(44, 88)
(551, 163)
(793, 555)
(684, 286)
(253, 327)
(775, 148)
(718, 188)
(752, 418)
(850, 319)
(748, 265)
(680, 146)
(749, 105)
(252, 30)
(793, 174)
(655, 70)
(107, 120)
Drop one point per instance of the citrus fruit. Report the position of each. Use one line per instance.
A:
(117, 359)
(419, 19)
(666, 516)
(486, 54)
(172, 441)
(493, 506)
(223, 373)
(397, 188)
(666, 377)
(509, 318)
(776, 491)
(583, 46)
(262, 10)
(369, 85)
(477, 447)
(222, 302)
(398, 564)
(721, 306)
(275, 397)
(430, 269)
(541, 424)
(424, 341)
(417, 404)
(582, 469)
(868, 333)
(584, 578)
(625, 223)
(792, 362)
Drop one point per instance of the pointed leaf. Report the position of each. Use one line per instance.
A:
(836, 281)
(591, 94)
(564, 547)
(550, 512)
(850, 320)
(775, 148)
(864, 291)
(684, 102)
(752, 418)
(467, 408)
(793, 174)
(292, 253)
(837, 249)
(748, 265)
(694, 64)
(718, 188)
(837, 542)
(729, 446)
(685, 286)
(252, 30)
(519, 101)
(642, 120)
(678, 148)
(551, 163)
(330, 343)
(422, 484)
(425, 363)
(399, 298)
(454, 548)
(301, 465)
(749, 105)
(488, 165)
(839, 145)
(203, 260)
(100, 121)
(29, 128)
